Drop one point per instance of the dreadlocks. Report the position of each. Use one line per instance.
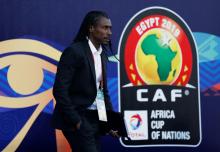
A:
(90, 19)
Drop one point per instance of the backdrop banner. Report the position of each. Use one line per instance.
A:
(163, 73)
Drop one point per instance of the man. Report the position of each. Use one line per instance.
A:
(81, 75)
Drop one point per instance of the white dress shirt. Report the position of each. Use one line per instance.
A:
(97, 62)
(98, 68)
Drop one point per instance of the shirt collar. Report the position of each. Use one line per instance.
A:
(93, 48)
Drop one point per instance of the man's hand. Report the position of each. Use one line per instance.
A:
(114, 133)
(77, 127)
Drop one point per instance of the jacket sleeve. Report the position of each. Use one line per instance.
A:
(106, 92)
(107, 98)
(69, 62)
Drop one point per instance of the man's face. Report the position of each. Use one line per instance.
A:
(101, 32)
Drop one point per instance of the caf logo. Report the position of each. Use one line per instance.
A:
(158, 49)
(158, 73)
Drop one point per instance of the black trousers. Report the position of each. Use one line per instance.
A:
(85, 139)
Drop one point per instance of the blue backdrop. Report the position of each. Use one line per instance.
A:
(55, 22)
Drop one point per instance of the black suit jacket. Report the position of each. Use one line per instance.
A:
(75, 85)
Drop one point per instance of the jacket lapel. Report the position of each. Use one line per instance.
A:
(103, 58)
(90, 59)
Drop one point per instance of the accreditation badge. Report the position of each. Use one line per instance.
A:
(101, 105)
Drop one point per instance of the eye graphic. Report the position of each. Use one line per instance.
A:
(27, 71)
